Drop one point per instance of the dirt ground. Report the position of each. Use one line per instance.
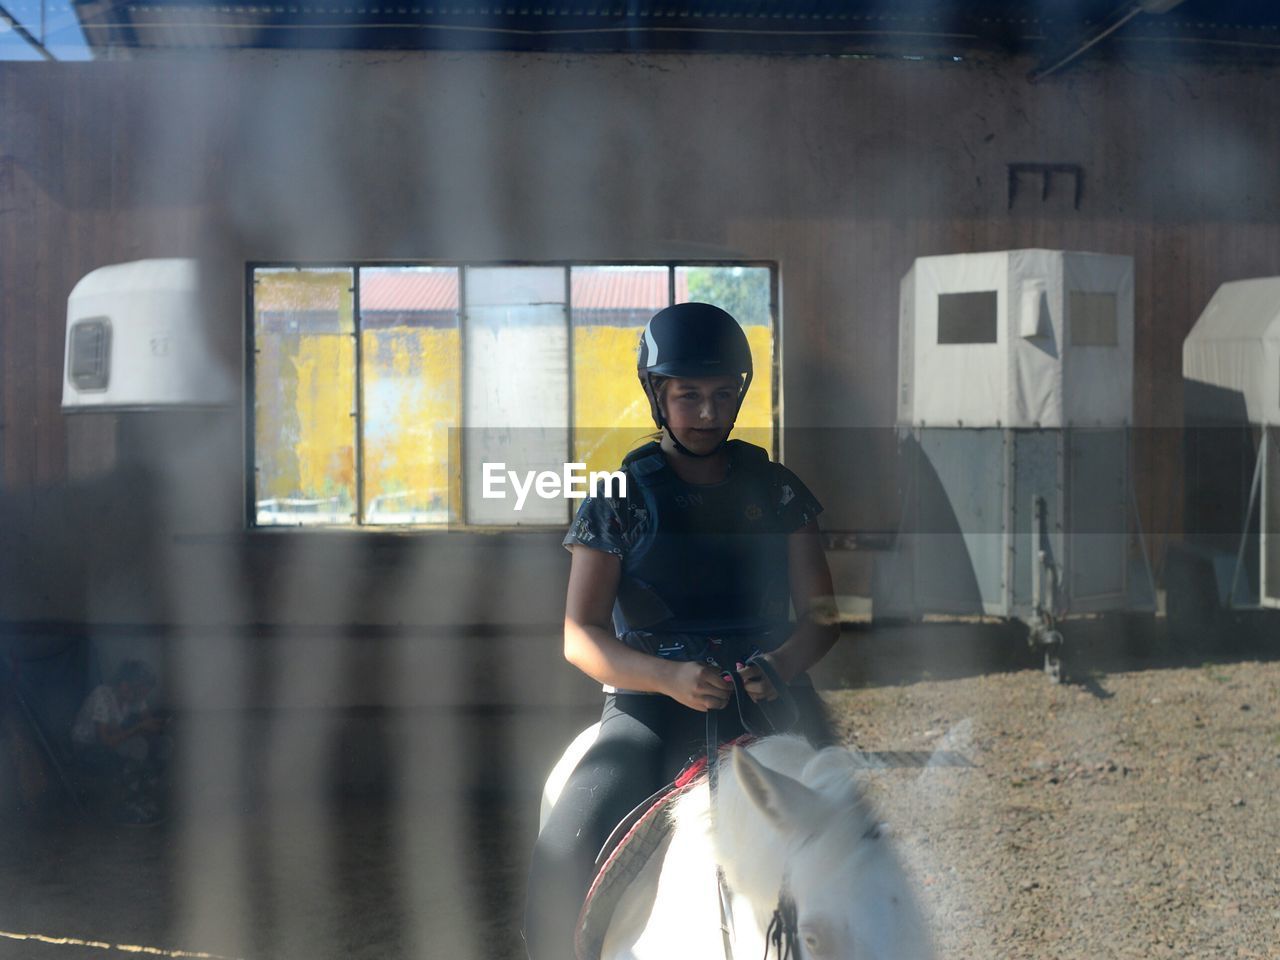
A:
(1126, 815)
(1130, 813)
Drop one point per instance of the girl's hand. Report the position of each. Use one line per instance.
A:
(698, 686)
(756, 683)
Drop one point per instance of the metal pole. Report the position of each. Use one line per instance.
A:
(1117, 20)
(25, 34)
(358, 399)
(1037, 555)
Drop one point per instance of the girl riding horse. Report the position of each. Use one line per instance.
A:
(675, 588)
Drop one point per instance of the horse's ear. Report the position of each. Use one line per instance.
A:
(787, 803)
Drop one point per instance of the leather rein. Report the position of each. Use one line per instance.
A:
(783, 931)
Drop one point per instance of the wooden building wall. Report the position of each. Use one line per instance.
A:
(842, 171)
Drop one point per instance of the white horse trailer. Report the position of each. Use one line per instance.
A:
(1015, 402)
(136, 341)
(1231, 379)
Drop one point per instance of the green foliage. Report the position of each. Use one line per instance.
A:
(743, 291)
(1210, 671)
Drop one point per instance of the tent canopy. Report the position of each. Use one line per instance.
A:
(1235, 348)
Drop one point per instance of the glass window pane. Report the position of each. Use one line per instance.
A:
(410, 359)
(304, 396)
(610, 306)
(516, 399)
(744, 292)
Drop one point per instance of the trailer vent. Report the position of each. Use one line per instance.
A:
(90, 366)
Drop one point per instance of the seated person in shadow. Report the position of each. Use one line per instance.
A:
(118, 740)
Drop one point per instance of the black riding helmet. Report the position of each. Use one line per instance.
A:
(692, 340)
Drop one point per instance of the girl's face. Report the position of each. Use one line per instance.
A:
(700, 411)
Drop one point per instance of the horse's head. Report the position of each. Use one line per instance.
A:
(852, 900)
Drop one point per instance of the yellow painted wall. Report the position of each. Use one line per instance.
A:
(305, 436)
(609, 407)
(304, 369)
(411, 398)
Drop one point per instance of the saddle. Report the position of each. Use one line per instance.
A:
(625, 853)
(646, 828)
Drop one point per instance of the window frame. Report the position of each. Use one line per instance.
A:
(458, 524)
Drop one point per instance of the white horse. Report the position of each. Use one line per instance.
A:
(789, 821)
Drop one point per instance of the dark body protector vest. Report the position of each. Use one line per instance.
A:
(707, 578)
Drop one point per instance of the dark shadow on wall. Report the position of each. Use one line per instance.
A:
(76, 556)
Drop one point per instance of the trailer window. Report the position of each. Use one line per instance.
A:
(1092, 317)
(967, 317)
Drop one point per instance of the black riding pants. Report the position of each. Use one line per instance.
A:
(644, 742)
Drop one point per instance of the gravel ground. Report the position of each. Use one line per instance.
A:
(1128, 815)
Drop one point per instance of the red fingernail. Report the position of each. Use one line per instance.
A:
(741, 665)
